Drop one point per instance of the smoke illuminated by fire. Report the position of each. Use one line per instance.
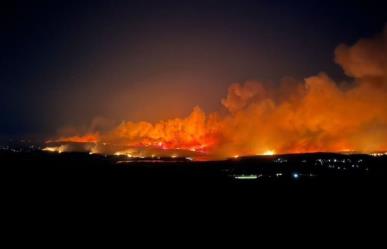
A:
(317, 114)
(89, 138)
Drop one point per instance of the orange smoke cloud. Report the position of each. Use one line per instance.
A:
(88, 138)
(196, 132)
(316, 114)
(366, 60)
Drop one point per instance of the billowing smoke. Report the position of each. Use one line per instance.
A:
(316, 114)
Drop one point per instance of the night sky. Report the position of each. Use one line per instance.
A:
(79, 63)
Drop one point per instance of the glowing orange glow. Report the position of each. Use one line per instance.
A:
(316, 114)
(269, 153)
(58, 149)
(89, 138)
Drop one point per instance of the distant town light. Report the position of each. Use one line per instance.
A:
(296, 175)
(378, 154)
(246, 177)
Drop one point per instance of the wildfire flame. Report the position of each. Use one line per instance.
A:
(316, 114)
(269, 153)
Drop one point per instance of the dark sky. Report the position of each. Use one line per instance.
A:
(65, 63)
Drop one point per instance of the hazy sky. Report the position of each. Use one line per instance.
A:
(65, 63)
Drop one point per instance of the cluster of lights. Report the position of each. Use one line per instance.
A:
(378, 154)
(280, 160)
(341, 164)
(294, 175)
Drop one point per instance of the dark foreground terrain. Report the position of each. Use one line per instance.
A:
(282, 192)
(302, 176)
(72, 186)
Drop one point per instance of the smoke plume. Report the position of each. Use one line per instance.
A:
(313, 115)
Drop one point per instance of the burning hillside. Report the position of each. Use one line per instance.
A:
(313, 115)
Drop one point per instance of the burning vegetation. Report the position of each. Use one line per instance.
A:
(313, 115)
